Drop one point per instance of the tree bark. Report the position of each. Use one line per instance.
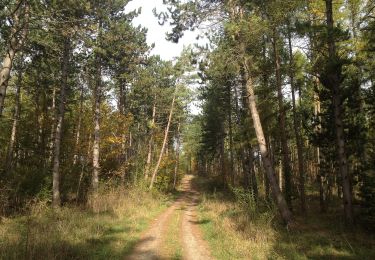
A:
(150, 142)
(97, 101)
(276, 193)
(16, 117)
(334, 79)
(164, 141)
(78, 131)
(53, 127)
(177, 157)
(56, 198)
(296, 126)
(18, 36)
(283, 129)
(232, 173)
(96, 141)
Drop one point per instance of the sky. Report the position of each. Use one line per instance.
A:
(156, 33)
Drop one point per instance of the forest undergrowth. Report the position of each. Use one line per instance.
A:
(107, 228)
(238, 229)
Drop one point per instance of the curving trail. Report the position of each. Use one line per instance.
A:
(151, 244)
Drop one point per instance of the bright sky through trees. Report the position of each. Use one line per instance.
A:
(156, 33)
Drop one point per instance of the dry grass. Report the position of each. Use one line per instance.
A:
(233, 234)
(107, 229)
(172, 247)
(235, 230)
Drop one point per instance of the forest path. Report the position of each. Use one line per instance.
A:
(152, 244)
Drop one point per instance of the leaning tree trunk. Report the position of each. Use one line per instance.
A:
(18, 36)
(282, 120)
(56, 200)
(16, 117)
(276, 193)
(296, 126)
(164, 141)
(334, 78)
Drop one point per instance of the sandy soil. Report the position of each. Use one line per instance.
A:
(193, 246)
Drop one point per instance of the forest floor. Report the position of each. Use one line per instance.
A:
(175, 233)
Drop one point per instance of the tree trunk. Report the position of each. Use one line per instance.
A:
(53, 128)
(165, 140)
(16, 117)
(18, 36)
(150, 142)
(78, 131)
(232, 174)
(282, 128)
(56, 200)
(334, 79)
(177, 157)
(297, 132)
(96, 141)
(276, 193)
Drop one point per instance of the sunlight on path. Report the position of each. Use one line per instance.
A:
(150, 245)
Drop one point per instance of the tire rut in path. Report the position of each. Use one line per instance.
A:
(194, 247)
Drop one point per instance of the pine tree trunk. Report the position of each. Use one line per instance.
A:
(16, 117)
(276, 193)
(282, 128)
(334, 77)
(164, 141)
(56, 200)
(296, 126)
(18, 36)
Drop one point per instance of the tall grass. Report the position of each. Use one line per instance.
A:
(238, 228)
(106, 229)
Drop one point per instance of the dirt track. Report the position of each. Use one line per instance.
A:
(150, 246)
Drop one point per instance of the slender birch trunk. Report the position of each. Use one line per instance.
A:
(97, 100)
(56, 199)
(96, 141)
